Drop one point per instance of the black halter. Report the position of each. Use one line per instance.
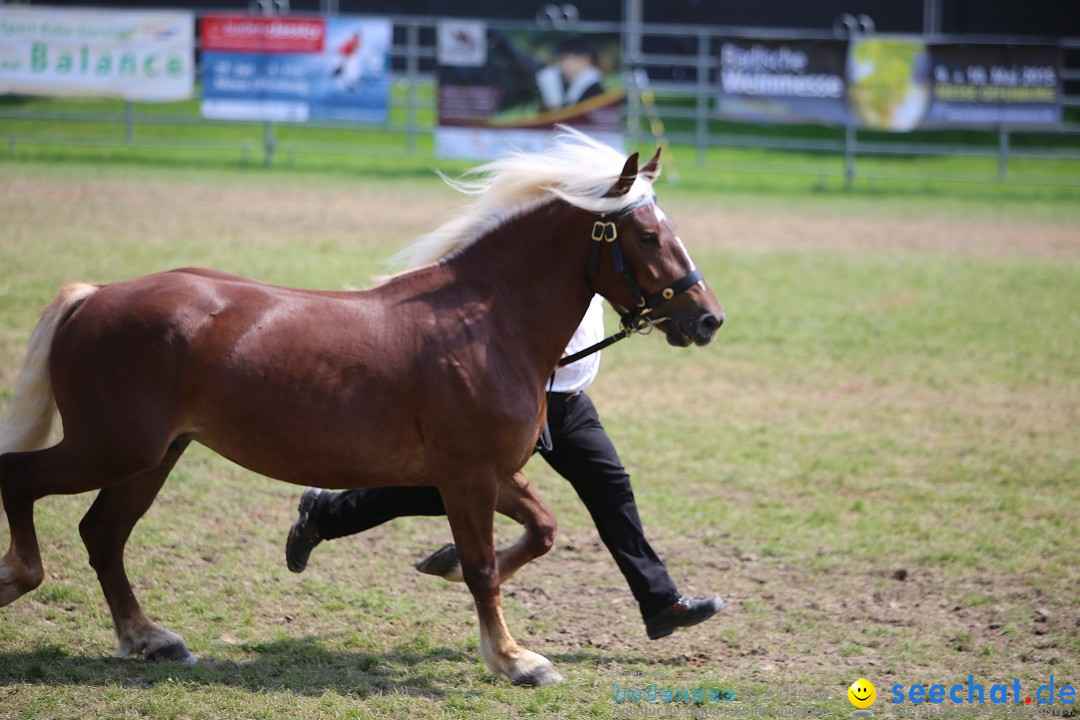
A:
(636, 319)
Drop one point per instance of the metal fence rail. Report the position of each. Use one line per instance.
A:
(684, 88)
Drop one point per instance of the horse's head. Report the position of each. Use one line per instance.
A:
(642, 267)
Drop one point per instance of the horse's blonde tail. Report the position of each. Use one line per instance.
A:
(30, 414)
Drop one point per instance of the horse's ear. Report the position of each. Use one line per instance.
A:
(626, 179)
(651, 170)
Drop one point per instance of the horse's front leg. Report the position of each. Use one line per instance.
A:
(470, 508)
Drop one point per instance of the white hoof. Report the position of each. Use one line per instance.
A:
(532, 670)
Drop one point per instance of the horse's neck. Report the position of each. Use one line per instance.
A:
(534, 266)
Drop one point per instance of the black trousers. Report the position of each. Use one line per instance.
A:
(583, 454)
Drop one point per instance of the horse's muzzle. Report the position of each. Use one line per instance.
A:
(699, 331)
(704, 329)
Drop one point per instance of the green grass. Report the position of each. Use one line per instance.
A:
(173, 134)
(865, 411)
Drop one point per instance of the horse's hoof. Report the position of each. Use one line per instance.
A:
(9, 593)
(12, 585)
(440, 563)
(538, 677)
(174, 652)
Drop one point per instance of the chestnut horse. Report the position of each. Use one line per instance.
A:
(434, 377)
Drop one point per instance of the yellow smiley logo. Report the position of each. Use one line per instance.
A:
(862, 693)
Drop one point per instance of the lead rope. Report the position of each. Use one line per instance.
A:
(624, 333)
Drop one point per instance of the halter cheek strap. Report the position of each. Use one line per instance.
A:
(636, 319)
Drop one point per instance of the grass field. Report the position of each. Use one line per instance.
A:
(877, 463)
(175, 134)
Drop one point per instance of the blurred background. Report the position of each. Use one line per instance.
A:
(919, 90)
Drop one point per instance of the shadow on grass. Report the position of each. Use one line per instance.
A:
(301, 666)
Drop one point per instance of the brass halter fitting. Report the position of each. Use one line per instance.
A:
(602, 230)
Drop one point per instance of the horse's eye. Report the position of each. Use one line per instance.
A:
(650, 239)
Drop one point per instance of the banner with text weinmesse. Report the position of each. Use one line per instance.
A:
(296, 68)
(502, 90)
(144, 55)
(891, 82)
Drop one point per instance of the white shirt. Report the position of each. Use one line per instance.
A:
(579, 375)
(582, 82)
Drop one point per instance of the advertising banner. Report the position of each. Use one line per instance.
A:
(296, 69)
(897, 83)
(1017, 85)
(133, 55)
(890, 82)
(501, 90)
(783, 81)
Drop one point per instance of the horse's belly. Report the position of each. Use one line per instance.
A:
(313, 427)
(298, 462)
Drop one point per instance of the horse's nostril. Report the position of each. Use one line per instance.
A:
(711, 322)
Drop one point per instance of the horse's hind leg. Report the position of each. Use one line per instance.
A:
(105, 530)
(62, 469)
(520, 502)
(471, 512)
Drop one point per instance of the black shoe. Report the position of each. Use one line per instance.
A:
(304, 535)
(684, 612)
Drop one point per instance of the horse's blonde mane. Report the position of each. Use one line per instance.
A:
(576, 169)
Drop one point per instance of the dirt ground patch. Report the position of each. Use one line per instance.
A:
(384, 215)
(804, 229)
(826, 618)
(166, 212)
(850, 621)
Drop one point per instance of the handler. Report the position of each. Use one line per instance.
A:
(580, 451)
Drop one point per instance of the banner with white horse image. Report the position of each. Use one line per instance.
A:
(286, 68)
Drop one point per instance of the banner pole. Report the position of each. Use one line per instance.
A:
(701, 110)
(268, 143)
(849, 156)
(931, 18)
(633, 12)
(1003, 152)
(412, 49)
(129, 122)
